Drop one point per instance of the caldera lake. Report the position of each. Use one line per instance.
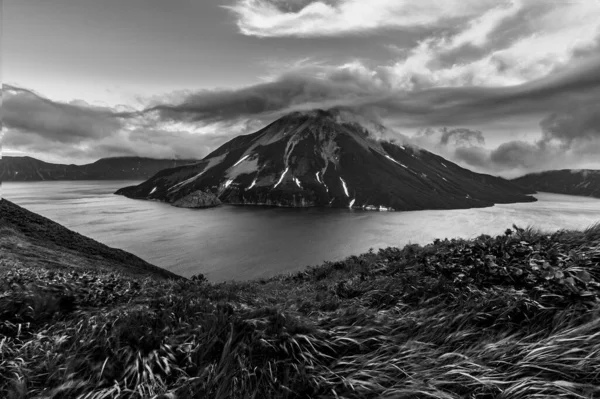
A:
(241, 243)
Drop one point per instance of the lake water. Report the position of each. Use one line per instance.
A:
(241, 243)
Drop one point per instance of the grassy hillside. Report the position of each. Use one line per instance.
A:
(513, 316)
(29, 239)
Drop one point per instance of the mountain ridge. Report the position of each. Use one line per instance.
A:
(114, 168)
(584, 182)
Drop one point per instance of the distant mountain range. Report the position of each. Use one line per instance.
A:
(567, 181)
(325, 158)
(120, 168)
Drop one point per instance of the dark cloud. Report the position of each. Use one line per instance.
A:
(294, 90)
(473, 156)
(473, 105)
(360, 91)
(569, 137)
(27, 112)
(80, 131)
(519, 154)
(578, 122)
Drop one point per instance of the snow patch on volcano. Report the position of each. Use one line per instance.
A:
(211, 162)
(393, 160)
(345, 187)
(241, 160)
(281, 178)
(183, 183)
(242, 167)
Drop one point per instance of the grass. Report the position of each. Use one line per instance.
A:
(512, 316)
(32, 239)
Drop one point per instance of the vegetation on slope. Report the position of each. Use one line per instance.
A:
(29, 239)
(513, 316)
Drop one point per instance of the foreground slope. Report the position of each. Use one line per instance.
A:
(119, 168)
(513, 316)
(327, 158)
(29, 239)
(584, 182)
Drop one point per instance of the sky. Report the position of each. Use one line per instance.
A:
(498, 86)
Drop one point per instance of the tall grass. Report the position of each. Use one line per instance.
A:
(513, 316)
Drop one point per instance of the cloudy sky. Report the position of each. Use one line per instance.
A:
(499, 86)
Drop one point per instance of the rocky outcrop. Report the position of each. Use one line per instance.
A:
(329, 159)
(198, 199)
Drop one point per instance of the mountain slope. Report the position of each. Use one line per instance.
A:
(572, 182)
(328, 158)
(28, 239)
(120, 168)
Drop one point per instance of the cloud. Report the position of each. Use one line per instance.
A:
(270, 18)
(27, 112)
(577, 122)
(461, 136)
(488, 43)
(302, 88)
(191, 124)
(568, 138)
(477, 64)
(519, 154)
(78, 131)
(358, 88)
(502, 47)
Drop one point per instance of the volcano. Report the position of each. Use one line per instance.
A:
(325, 158)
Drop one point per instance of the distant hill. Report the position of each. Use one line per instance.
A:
(119, 168)
(30, 240)
(584, 182)
(326, 158)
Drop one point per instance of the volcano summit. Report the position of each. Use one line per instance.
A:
(325, 158)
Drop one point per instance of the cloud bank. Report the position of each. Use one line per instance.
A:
(477, 65)
(272, 18)
(78, 131)
(567, 103)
